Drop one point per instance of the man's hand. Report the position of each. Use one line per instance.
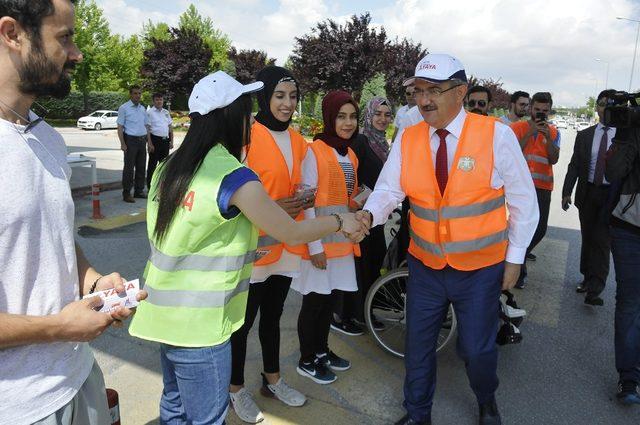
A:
(544, 129)
(171, 144)
(353, 228)
(566, 202)
(511, 275)
(291, 206)
(123, 147)
(319, 261)
(150, 147)
(365, 218)
(308, 201)
(78, 321)
(114, 280)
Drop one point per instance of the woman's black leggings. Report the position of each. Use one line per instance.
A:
(268, 297)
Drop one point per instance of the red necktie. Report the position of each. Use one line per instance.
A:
(442, 165)
(598, 176)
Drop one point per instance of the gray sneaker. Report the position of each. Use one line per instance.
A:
(284, 393)
(244, 406)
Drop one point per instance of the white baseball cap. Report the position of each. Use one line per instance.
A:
(438, 68)
(218, 90)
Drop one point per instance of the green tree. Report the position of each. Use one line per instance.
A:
(124, 73)
(92, 38)
(158, 31)
(216, 40)
(373, 87)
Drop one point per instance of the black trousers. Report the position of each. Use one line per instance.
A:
(596, 245)
(544, 203)
(134, 162)
(313, 325)
(160, 152)
(350, 305)
(268, 297)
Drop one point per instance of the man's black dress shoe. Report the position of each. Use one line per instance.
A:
(489, 414)
(593, 300)
(406, 420)
(581, 288)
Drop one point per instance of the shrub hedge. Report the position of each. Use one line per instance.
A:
(72, 106)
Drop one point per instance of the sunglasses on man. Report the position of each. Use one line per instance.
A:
(481, 103)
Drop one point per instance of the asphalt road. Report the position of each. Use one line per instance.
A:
(562, 373)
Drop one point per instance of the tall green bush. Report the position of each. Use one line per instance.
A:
(72, 106)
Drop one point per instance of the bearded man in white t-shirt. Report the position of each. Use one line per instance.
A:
(47, 371)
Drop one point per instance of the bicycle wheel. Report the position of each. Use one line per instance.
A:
(386, 302)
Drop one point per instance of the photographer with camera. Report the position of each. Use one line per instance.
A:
(540, 143)
(623, 171)
(587, 168)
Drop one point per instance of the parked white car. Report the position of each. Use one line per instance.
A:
(98, 120)
(581, 125)
(560, 123)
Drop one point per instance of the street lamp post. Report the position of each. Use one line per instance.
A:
(606, 80)
(633, 63)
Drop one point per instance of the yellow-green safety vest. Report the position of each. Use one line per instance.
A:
(198, 277)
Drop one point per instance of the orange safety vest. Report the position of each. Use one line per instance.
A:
(535, 153)
(332, 197)
(265, 158)
(466, 227)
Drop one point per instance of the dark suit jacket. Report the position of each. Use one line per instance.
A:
(579, 166)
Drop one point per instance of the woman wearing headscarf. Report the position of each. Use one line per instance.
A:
(327, 265)
(276, 156)
(371, 148)
(202, 212)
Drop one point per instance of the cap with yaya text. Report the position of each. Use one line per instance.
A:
(438, 68)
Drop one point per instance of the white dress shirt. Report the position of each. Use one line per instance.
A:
(595, 147)
(159, 121)
(510, 171)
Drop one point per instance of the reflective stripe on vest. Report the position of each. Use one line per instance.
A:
(266, 240)
(537, 158)
(194, 299)
(543, 177)
(460, 246)
(196, 262)
(458, 212)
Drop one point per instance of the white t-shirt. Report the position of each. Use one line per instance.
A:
(288, 264)
(159, 121)
(38, 271)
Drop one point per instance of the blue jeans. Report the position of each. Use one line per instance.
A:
(196, 384)
(475, 296)
(625, 247)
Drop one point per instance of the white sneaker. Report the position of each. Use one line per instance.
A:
(244, 406)
(513, 313)
(283, 392)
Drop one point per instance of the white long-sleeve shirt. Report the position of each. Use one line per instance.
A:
(509, 171)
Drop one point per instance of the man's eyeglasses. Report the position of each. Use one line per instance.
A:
(472, 103)
(433, 92)
(408, 93)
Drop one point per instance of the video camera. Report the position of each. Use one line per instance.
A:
(622, 110)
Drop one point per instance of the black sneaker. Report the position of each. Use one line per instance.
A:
(531, 257)
(347, 327)
(334, 362)
(316, 371)
(593, 300)
(628, 393)
(520, 283)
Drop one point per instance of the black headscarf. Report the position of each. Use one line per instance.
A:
(271, 76)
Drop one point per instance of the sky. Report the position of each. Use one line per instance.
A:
(572, 48)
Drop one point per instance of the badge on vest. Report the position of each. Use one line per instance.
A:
(466, 163)
(261, 253)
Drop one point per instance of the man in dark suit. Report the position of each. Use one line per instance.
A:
(587, 167)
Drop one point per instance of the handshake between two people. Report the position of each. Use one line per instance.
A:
(356, 225)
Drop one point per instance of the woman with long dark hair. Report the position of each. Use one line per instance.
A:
(276, 156)
(201, 212)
